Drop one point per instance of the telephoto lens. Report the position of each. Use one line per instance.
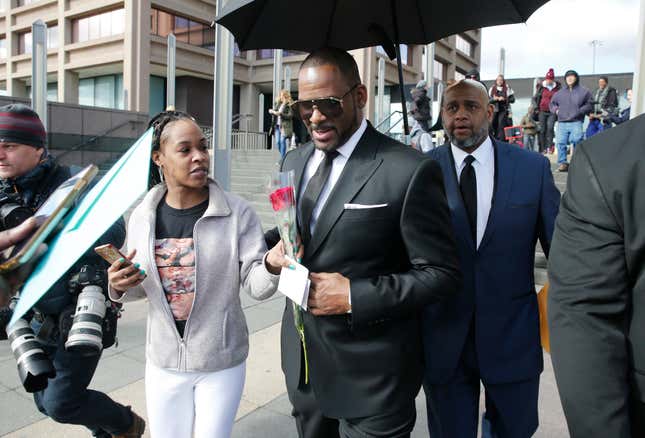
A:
(86, 335)
(34, 366)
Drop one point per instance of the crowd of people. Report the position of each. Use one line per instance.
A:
(402, 296)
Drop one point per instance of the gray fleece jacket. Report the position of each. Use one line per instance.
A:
(229, 252)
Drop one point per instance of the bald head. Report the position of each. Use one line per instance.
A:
(466, 114)
(469, 83)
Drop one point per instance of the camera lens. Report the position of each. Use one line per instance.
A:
(34, 366)
(13, 215)
(86, 335)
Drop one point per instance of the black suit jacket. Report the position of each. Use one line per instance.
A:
(597, 296)
(399, 258)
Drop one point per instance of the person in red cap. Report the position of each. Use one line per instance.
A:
(546, 119)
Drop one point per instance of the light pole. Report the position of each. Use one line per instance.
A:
(594, 44)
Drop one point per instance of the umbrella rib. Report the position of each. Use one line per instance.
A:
(517, 10)
(331, 23)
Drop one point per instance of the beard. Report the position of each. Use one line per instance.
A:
(476, 139)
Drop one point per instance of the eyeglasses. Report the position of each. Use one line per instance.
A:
(330, 106)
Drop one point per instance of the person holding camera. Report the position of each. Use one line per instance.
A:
(58, 376)
(605, 105)
(199, 246)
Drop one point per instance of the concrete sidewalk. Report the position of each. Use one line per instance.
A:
(264, 410)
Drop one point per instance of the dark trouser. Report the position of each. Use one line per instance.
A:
(67, 399)
(453, 408)
(547, 123)
(499, 123)
(637, 415)
(311, 422)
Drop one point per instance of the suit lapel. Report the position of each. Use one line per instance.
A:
(504, 175)
(300, 164)
(357, 171)
(455, 201)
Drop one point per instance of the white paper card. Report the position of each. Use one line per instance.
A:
(294, 283)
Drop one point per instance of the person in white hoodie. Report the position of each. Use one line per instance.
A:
(193, 247)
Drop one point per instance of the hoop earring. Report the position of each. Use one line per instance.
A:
(160, 170)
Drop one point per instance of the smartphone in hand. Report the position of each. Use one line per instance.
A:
(111, 254)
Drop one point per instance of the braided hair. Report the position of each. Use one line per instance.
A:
(159, 123)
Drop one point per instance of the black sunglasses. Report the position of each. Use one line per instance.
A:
(330, 106)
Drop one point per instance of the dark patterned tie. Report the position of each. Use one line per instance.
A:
(468, 187)
(312, 193)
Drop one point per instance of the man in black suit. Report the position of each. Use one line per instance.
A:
(597, 294)
(378, 242)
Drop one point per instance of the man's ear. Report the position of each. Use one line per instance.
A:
(361, 94)
(156, 158)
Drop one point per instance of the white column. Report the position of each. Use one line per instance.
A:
(39, 70)
(380, 93)
(222, 104)
(638, 103)
(429, 73)
(277, 82)
(171, 64)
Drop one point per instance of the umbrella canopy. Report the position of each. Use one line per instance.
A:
(353, 24)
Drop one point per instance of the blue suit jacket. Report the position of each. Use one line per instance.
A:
(498, 286)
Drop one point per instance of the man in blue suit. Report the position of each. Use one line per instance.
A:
(502, 199)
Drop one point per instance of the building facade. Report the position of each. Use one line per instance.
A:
(112, 54)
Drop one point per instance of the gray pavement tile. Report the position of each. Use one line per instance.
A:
(16, 412)
(258, 318)
(136, 353)
(9, 374)
(280, 405)
(115, 372)
(263, 422)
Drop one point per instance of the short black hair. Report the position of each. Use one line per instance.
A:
(339, 58)
(604, 78)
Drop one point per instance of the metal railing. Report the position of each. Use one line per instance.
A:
(387, 119)
(249, 141)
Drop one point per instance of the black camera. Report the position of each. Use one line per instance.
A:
(12, 210)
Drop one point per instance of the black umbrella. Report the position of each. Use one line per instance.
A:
(352, 24)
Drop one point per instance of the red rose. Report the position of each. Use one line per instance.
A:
(282, 198)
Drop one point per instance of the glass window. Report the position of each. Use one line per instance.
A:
(196, 33)
(98, 26)
(104, 91)
(464, 46)
(404, 49)
(118, 21)
(437, 70)
(165, 24)
(3, 48)
(181, 28)
(24, 2)
(459, 75)
(292, 53)
(86, 91)
(4, 5)
(52, 37)
(264, 54)
(95, 27)
(24, 43)
(209, 38)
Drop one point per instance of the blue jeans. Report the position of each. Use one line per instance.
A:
(568, 132)
(67, 399)
(281, 141)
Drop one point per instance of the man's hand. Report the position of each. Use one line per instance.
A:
(10, 281)
(12, 236)
(329, 294)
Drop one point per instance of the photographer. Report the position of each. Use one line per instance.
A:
(28, 175)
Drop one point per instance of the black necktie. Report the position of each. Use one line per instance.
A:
(313, 191)
(468, 187)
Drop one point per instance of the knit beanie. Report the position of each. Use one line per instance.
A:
(20, 124)
(550, 74)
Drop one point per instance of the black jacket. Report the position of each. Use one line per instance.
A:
(399, 258)
(597, 296)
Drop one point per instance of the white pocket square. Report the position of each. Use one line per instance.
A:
(363, 206)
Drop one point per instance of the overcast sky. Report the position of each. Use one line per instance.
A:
(558, 35)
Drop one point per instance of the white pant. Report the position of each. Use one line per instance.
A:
(181, 404)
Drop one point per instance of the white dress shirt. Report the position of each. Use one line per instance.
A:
(484, 165)
(344, 152)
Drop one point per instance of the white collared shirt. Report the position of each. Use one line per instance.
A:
(484, 166)
(344, 152)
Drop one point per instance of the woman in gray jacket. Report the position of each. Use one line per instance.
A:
(199, 246)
